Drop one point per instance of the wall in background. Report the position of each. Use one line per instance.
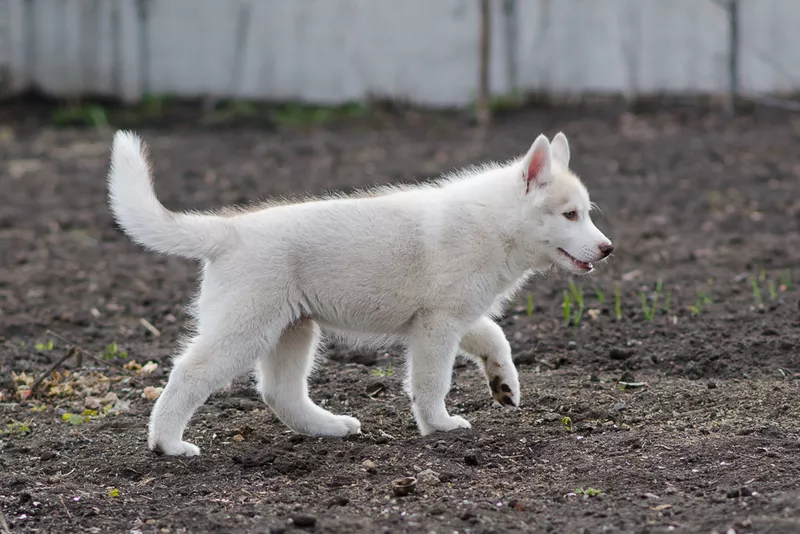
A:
(330, 51)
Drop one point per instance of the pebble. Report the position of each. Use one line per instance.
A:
(620, 406)
(304, 521)
(471, 458)
(429, 477)
(370, 466)
(739, 492)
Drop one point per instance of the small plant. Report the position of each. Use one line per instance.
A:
(112, 352)
(113, 492)
(702, 300)
(648, 310)
(577, 298)
(588, 492)
(601, 297)
(381, 372)
(78, 419)
(17, 428)
(530, 305)
(617, 304)
(81, 116)
(567, 422)
(567, 307)
(773, 293)
(45, 346)
(756, 292)
(39, 408)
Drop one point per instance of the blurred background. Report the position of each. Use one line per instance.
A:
(425, 53)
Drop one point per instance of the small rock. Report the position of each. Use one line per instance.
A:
(429, 477)
(48, 455)
(92, 403)
(370, 466)
(572, 345)
(552, 416)
(471, 458)
(150, 393)
(339, 500)
(671, 490)
(376, 389)
(620, 406)
(712, 385)
(304, 521)
(738, 493)
(620, 354)
(517, 505)
(769, 332)
(363, 358)
(238, 438)
(650, 496)
(404, 486)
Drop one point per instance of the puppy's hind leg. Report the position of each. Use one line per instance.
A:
(205, 366)
(486, 343)
(283, 384)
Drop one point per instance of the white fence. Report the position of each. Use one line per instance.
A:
(424, 51)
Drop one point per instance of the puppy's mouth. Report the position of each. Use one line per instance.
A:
(578, 264)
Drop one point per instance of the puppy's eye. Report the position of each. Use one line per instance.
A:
(571, 215)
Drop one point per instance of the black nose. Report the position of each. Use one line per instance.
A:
(606, 249)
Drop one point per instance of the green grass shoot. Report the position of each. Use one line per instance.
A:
(530, 305)
(567, 307)
(601, 297)
(756, 292)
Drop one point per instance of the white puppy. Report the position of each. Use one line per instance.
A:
(425, 266)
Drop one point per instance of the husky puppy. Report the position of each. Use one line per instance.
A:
(426, 266)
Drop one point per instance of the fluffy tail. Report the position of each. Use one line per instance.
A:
(145, 220)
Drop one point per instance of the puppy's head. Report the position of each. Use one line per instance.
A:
(556, 207)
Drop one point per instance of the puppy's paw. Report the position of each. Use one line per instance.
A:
(337, 426)
(181, 448)
(352, 424)
(505, 390)
(451, 422)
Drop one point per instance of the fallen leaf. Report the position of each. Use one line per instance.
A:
(148, 368)
(150, 393)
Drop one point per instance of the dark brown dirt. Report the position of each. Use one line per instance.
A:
(709, 439)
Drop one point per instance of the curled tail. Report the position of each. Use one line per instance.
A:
(145, 220)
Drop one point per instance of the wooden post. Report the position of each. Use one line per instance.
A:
(483, 110)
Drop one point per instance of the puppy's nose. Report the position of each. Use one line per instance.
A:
(606, 249)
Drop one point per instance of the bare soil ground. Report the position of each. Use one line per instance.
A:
(683, 420)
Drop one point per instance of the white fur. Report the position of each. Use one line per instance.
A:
(426, 266)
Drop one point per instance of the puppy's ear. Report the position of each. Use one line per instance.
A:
(537, 165)
(560, 149)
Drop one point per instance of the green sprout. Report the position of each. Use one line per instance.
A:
(530, 305)
(756, 291)
(567, 307)
(601, 297)
(648, 310)
(45, 346)
(773, 293)
(577, 298)
(567, 423)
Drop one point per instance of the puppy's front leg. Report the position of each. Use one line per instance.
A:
(432, 352)
(486, 343)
